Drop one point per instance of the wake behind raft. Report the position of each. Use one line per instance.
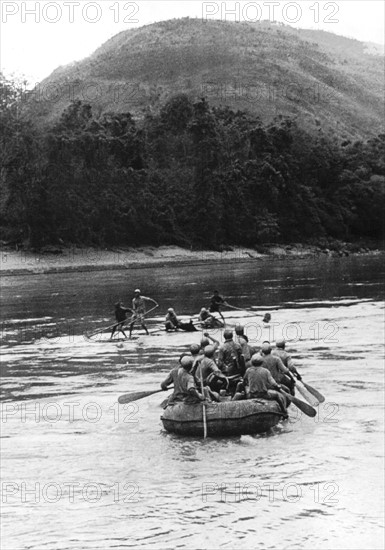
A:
(251, 416)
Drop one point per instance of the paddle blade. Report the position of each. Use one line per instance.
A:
(304, 407)
(314, 392)
(306, 395)
(135, 396)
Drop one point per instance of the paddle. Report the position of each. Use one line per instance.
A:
(266, 316)
(203, 326)
(135, 314)
(307, 395)
(204, 410)
(136, 395)
(314, 392)
(89, 335)
(304, 407)
(233, 307)
(149, 311)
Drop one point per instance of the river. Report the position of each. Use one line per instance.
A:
(80, 471)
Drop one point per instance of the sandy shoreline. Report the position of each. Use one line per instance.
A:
(91, 259)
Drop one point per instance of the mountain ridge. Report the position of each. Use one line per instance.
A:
(319, 78)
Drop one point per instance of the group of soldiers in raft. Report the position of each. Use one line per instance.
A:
(206, 319)
(234, 370)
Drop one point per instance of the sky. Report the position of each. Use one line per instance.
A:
(38, 36)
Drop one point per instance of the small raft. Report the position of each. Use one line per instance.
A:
(251, 416)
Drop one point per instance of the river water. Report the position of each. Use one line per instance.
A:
(80, 471)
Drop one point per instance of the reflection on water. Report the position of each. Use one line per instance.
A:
(81, 471)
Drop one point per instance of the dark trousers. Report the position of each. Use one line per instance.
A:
(118, 327)
(271, 395)
(289, 383)
(170, 326)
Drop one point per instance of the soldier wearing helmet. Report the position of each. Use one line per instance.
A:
(242, 341)
(229, 359)
(171, 322)
(207, 320)
(197, 355)
(172, 378)
(286, 359)
(197, 350)
(279, 372)
(208, 372)
(259, 384)
(186, 382)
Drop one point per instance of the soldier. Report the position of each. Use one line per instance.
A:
(216, 302)
(171, 321)
(229, 359)
(260, 384)
(279, 372)
(121, 317)
(285, 357)
(139, 307)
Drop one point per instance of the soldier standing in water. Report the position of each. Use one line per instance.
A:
(139, 307)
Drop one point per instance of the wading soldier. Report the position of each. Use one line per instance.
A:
(216, 302)
(120, 316)
(139, 307)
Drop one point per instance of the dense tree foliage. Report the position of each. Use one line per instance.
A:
(191, 175)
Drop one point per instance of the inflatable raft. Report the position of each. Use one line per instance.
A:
(251, 416)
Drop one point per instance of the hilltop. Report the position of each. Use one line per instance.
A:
(319, 78)
(201, 135)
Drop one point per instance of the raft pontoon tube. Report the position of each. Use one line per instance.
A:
(251, 416)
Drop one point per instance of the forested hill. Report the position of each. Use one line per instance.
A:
(189, 174)
(321, 79)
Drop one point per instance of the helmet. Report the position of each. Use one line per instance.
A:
(228, 334)
(137, 290)
(205, 342)
(194, 349)
(267, 318)
(203, 310)
(209, 351)
(239, 329)
(186, 362)
(256, 360)
(170, 310)
(266, 348)
(280, 344)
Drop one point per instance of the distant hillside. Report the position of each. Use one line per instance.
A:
(320, 78)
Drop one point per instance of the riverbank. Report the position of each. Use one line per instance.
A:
(66, 259)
